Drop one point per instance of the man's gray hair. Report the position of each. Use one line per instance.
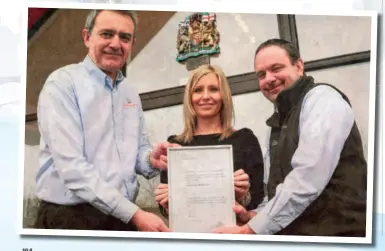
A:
(91, 17)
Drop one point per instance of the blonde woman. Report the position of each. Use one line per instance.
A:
(208, 116)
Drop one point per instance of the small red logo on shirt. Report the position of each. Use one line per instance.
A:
(129, 105)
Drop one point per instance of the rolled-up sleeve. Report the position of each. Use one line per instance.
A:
(325, 123)
(61, 128)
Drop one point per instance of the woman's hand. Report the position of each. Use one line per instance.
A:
(241, 183)
(161, 195)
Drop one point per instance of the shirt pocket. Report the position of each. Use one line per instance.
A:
(131, 120)
(129, 134)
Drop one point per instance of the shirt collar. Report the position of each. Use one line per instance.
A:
(94, 70)
(287, 99)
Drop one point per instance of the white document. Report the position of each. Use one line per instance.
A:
(200, 188)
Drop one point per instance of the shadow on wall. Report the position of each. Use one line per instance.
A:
(30, 202)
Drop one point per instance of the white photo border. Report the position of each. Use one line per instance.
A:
(218, 8)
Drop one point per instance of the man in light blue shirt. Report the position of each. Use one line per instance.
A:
(315, 167)
(93, 137)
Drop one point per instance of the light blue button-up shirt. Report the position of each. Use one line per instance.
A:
(326, 120)
(93, 140)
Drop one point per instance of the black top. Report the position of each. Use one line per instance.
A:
(247, 155)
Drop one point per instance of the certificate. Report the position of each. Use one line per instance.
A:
(200, 188)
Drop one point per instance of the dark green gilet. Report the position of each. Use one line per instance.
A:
(340, 210)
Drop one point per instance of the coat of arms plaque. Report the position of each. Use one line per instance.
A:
(198, 36)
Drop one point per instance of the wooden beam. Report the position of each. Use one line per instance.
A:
(347, 59)
(239, 84)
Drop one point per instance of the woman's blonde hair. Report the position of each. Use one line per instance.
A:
(189, 114)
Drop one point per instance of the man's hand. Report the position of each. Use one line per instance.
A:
(243, 216)
(161, 195)
(148, 222)
(158, 156)
(245, 229)
(241, 183)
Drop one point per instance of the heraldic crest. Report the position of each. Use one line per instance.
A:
(197, 35)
